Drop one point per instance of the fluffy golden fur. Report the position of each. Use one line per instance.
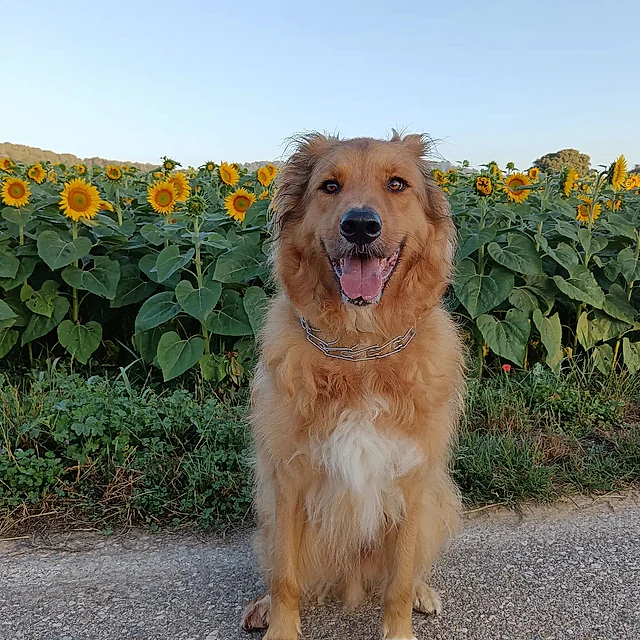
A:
(353, 491)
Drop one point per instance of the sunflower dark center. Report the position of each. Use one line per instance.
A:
(241, 203)
(17, 190)
(79, 200)
(164, 197)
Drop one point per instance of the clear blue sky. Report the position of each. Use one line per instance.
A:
(200, 80)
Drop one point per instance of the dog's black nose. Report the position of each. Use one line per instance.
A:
(360, 226)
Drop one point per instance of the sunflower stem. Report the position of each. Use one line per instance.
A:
(198, 261)
(592, 206)
(483, 213)
(76, 304)
(21, 230)
(167, 222)
(118, 207)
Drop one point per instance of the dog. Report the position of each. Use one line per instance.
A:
(359, 384)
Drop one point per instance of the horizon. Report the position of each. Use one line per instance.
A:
(136, 82)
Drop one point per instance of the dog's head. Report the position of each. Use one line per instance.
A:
(360, 222)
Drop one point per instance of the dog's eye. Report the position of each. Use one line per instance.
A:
(330, 186)
(396, 184)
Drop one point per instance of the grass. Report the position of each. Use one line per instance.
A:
(538, 436)
(116, 453)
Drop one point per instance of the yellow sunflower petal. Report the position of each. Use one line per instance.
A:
(15, 192)
(618, 173)
(80, 199)
(264, 176)
(512, 187)
(113, 173)
(228, 174)
(7, 164)
(37, 173)
(181, 184)
(162, 197)
(238, 202)
(570, 182)
(272, 169)
(483, 185)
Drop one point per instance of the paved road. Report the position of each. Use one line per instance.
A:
(563, 575)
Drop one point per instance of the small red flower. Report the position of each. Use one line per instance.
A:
(506, 368)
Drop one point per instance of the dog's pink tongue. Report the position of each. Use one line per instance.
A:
(361, 278)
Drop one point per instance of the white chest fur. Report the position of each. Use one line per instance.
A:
(359, 468)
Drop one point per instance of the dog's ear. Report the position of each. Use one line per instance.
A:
(293, 178)
(418, 144)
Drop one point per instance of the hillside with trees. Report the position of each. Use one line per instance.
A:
(31, 155)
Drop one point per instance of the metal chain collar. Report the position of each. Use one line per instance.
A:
(357, 354)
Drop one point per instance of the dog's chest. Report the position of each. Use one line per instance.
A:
(359, 467)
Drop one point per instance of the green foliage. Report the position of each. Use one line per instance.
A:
(129, 276)
(127, 454)
(533, 283)
(565, 158)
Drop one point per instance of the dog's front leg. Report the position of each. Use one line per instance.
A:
(400, 546)
(285, 587)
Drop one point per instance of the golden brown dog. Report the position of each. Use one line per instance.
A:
(357, 392)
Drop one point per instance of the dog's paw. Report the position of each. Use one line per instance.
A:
(256, 614)
(426, 600)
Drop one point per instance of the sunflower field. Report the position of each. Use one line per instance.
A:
(170, 266)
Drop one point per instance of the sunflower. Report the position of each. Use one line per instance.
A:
(613, 205)
(512, 187)
(80, 199)
(15, 192)
(37, 173)
(210, 166)
(632, 182)
(126, 201)
(495, 170)
(158, 175)
(52, 176)
(168, 164)
(483, 185)
(569, 182)
(451, 176)
(113, 173)
(196, 205)
(228, 174)
(618, 173)
(583, 210)
(272, 169)
(105, 206)
(162, 196)
(264, 195)
(236, 166)
(125, 168)
(181, 185)
(7, 164)
(438, 176)
(80, 169)
(238, 202)
(534, 173)
(264, 176)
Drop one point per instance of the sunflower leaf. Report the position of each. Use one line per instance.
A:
(80, 340)
(57, 253)
(175, 356)
(102, 279)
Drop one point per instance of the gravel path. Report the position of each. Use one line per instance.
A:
(562, 575)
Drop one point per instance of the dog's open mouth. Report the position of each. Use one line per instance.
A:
(362, 278)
